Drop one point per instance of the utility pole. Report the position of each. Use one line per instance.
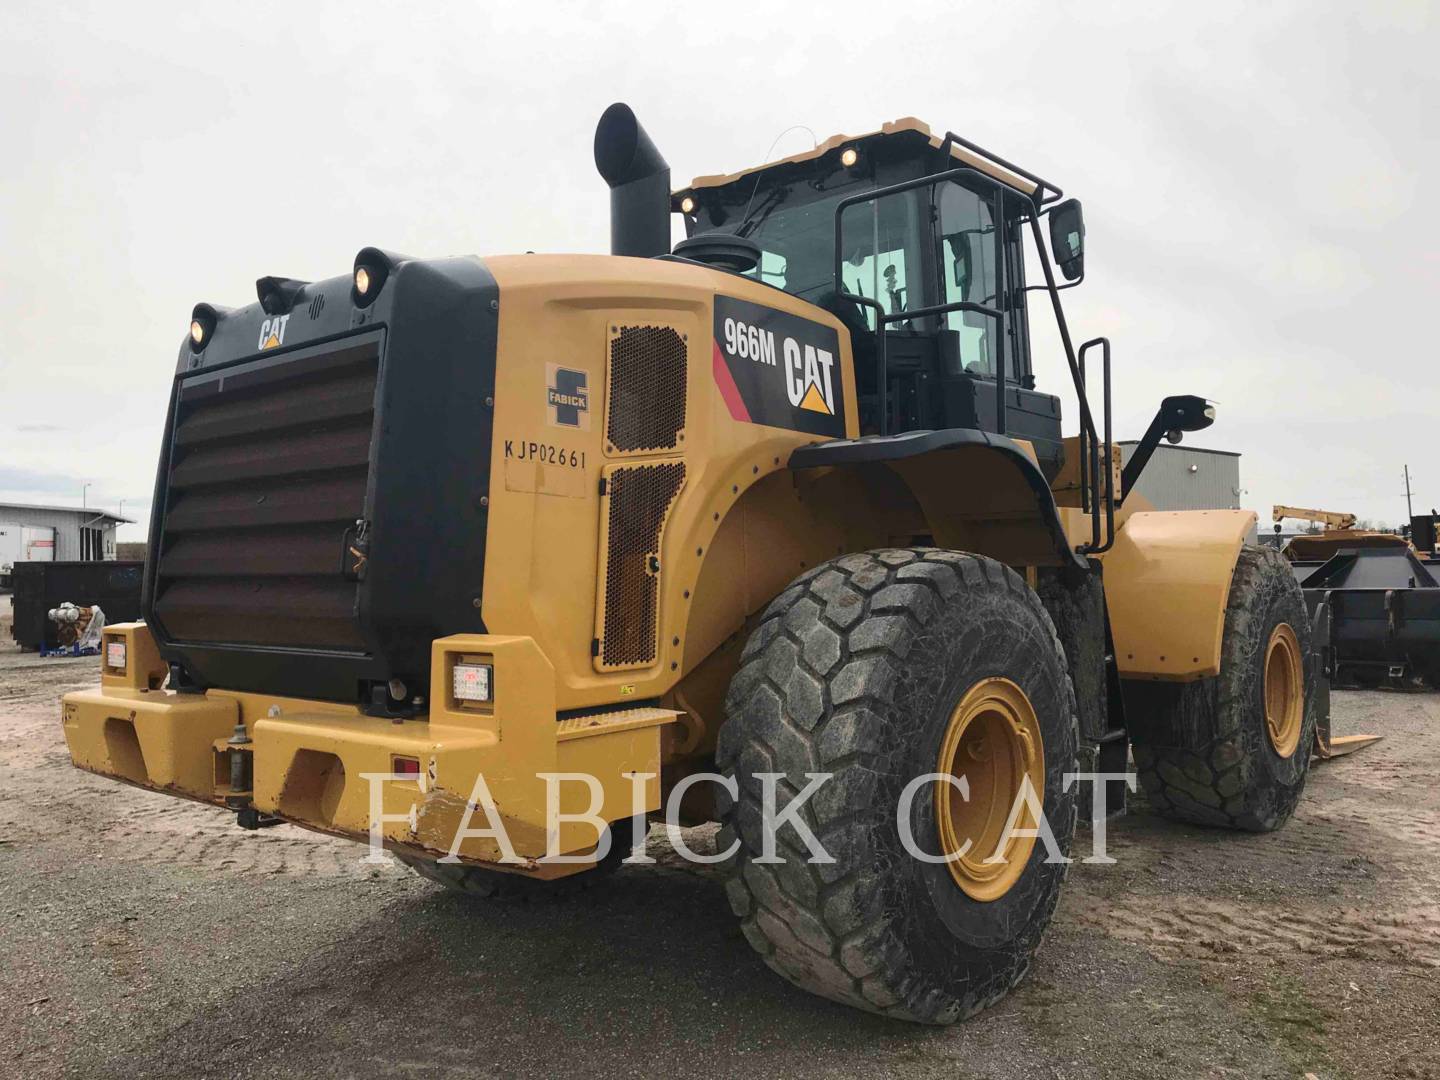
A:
(83, 489)
(1409, 513)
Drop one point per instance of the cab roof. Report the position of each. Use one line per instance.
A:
(906, 124)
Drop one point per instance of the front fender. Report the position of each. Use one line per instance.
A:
(1167, 581)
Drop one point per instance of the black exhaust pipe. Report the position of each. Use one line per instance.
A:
(639, 180)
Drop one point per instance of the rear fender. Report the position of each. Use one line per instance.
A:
(978, 492)
(961, 489)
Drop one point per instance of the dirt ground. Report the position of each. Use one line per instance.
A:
(144, 936)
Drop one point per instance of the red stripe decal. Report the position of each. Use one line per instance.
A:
(728, 390)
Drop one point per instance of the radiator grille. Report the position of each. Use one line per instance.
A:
(639, 498)
(268, 468)
(645, 410)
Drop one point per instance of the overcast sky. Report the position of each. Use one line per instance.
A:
(1253, 178)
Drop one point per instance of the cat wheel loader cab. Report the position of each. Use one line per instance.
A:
(491, 559)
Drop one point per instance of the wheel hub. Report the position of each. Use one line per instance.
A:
(993, 741)
(1284, 690)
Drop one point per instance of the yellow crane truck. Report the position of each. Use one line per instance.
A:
(782, 504)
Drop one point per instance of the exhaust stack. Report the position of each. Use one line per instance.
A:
(639, 180)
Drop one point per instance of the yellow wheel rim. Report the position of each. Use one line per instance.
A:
(993, 741)
(1284, 690)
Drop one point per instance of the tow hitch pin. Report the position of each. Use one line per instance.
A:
(240, 762)
(242, 765)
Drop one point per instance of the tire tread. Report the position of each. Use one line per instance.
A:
(877, 604)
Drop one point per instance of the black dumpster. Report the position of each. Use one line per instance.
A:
(40, 586)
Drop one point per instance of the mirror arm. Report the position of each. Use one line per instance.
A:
(1146, 448)
(1179, 413)
(1058, 288)
(1086, 419)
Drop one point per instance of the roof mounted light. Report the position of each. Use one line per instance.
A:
(687, 204)
(203, 319)
(849, 156)
(372, 270)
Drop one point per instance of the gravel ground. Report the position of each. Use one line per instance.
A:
(144, 936)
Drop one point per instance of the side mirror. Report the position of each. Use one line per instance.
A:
(1185, 412)
(1067, 238)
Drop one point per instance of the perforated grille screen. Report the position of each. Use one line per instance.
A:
(646, 409)
(640, 497)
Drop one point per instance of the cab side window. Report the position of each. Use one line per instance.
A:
(967, 262)
(881, 256)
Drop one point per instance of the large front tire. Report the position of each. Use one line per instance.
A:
(1234, 750)
(879, 668)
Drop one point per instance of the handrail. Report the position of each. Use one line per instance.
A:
(938, 309)
(882, 366)
(1041, 185)
(883, 319)
(1086, 418)
(1099, 456)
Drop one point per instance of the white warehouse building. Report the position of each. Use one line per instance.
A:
(55, 534)
(1189, 478)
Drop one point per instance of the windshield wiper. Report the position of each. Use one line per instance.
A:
(766, 208)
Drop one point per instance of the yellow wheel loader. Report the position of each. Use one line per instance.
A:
(493, 560)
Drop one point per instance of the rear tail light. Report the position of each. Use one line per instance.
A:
(115, 655)
(473, 682)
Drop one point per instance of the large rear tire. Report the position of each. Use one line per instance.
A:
(879, 668)
(1234, 750)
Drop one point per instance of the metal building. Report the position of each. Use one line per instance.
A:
(1188, 478)
(56, 534)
